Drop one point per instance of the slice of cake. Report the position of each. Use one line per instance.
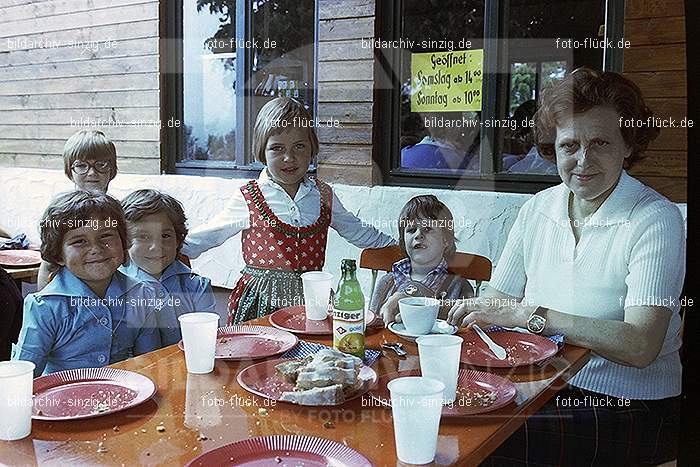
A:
(321, 376)
(328, 395)
(324, 378)
(289, 370)
(337, 358)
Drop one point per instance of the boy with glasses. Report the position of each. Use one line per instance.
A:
(90, 161)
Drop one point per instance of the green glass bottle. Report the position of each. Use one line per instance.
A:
(349, 312)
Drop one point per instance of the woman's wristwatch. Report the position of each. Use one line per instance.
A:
(537, 320)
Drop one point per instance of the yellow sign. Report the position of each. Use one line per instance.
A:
(447, 81)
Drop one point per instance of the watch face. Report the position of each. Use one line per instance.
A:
(536, 323)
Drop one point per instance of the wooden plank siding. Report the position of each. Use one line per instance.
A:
(656, 62)
(55, 80)
(635, 9)
(345, 91)
(39, 9)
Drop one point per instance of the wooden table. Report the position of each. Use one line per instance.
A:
(215, 406)
(23, 274)
(20, 275)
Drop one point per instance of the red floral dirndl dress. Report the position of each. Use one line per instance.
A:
(276, 254)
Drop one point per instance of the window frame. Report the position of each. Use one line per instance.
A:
(172, 100)
(387, 95)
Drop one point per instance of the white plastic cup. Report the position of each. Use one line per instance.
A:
(439, 359)
(16, 389)
(418, 314)
(416, 407)
(317, 292)
(199, 339)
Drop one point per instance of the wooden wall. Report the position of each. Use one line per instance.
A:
(45, 88)
(345, 91)
(656, 61)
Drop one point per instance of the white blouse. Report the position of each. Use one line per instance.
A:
(631, 252)
(301, 211)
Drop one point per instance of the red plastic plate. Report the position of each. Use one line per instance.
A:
(19, 258)
(293, 319)
(474, 390)
(283, 451)
(261, 379)
(88, 393)
(521, 349)
(249, 342)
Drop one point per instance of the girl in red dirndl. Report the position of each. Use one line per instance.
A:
(284, 216)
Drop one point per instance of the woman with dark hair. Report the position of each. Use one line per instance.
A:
(599, 258)
(10, 314)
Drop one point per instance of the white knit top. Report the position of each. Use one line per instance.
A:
(631, 252)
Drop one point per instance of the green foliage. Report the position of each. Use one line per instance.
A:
(523, 80)
(273, 20)
(218, 148)
(552, 71)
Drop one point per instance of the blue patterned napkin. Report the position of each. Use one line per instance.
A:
(556, 338)
(18, 242)
(303, 349)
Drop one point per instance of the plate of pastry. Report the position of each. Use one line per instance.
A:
(327, 378)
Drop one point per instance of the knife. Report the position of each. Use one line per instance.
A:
(497, 350)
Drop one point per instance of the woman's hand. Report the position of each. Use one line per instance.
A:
(489, 311)
(390, 310)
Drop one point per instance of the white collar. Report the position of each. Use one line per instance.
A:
(305, 186)
(616, 208)
(175, 268)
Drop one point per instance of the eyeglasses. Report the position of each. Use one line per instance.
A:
(83, 167)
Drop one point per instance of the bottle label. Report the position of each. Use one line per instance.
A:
(349, 332)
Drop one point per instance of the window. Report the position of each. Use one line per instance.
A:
(288, 68)
(536, 58)
(463, 86)
(227, 59)
(210, 60)
(433, 138)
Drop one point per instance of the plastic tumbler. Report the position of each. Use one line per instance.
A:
(199, 339)
(16, 385)
(416, 407)
(317, 292)
(439, 359)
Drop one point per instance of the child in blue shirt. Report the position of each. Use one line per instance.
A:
(156, 225)
(90, 314)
